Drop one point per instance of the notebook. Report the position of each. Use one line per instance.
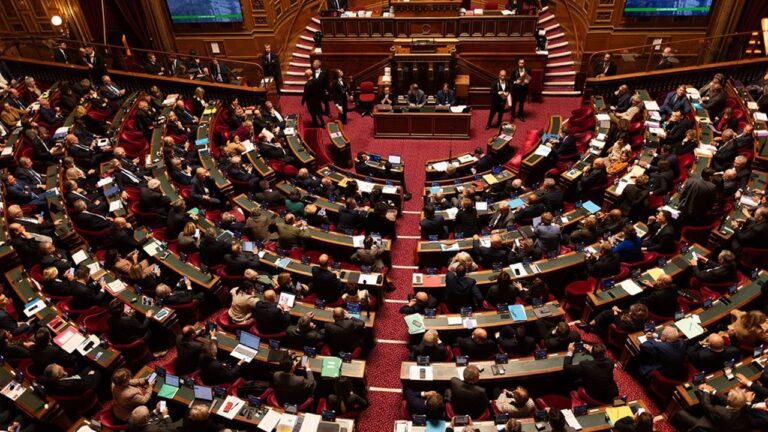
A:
(247, 348)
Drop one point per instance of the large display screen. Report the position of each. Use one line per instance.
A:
(205, 11)
(667, 7)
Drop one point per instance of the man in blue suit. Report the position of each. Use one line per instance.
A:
(665, 354)
(446, 96)
(676, 101)
(18, 192)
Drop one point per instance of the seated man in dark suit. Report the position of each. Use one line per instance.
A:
(752, 232)
(204, 191)
(18, 192)
(178, 297)
(675, 130)
(350, 216)
(551, 195)
(34, 223)
(345, 333)
(445, 96)
(290, 387)
(596, 375)
(143, 121)
(605, 264)
(188, 350)
(429, 403)
(212, 249)
(460, 290)
(666, 355)
(125, 177)
(87, 220)
(27, 174)
(731, 410)
(477, 346)
(122, 237)
(431, 346)
(556, 336)
(127, 328)
(50, 256)
(466, 396)
(418, 303)
(214, 372)
(304, 333)
(152, 200)
(676, 101)
(432, 224)
(43, 353)
(110, 90)
(661, 234)
(496, 253)
(661, 300)
(58, 382)
(86, 293)
(326, 283)
(727, 150)
(707, 271)
(237, 261)
(416, 97)
(593, 176)
(711, 353)
(271, 318)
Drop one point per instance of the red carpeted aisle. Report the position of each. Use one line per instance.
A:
(383, 363)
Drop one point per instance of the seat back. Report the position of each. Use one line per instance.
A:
(366, 87)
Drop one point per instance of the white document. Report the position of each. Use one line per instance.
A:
(287, 422)
(651, 105)
(453, 247)
(310, 423)
(747, 200)
(690, 326)
(104, 181)
(7, 151)
(94, 342)
(481, 206)
(630, 287)
(451, 213)
(152, 248)
(675, 212)
(287, 299)
(518, 270)
(415, 371)
(752, 105)
(571, 419)
(71, 341)
(454, 320)
(440, 166)
(289, 131)
(655, 130)
(655, 116)
(389, 189)
(368, 279)
(357, 241)
(469, 323)
(460, 372)
(14, 393)
(466, 158)
(115, 205)
(94, 267)
(116, 286)
(603, 117)
(79, 256)
(235, 407)
(620, 186)
(485, 241)
(543, 150)
(365, 187)
(248, 145)
(761, 116)
(34, 307)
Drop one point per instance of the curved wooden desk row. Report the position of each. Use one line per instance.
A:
(749, 106)
(14, 139)
(525, 367)
(594, 420)
(42, 409)
(531, 159)
(389, 188)
(228, 342)
(673, 267)
(491, 319)
(481, 181)
(426, 247)
(26, 289)
(341, 149)
(186, 396)
(500, 142)
(723, 234)
(436, 167)
(745, 294)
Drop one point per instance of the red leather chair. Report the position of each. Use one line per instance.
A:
(648, 259)
(35, 272)
(188, 313)
(451, 414)
(303, 407)
(78, 405)
(356, 352)
(322, 405)
(366, 97)
(752, 258)
(553, 401)
(698, 234)
(616, 337)
(662, 387)
(94, 238)
(145, 218)
(491, 5)
(580, 397)
(95, 323)
(108, 420)
(576, 293)
(223, 321)
(63, 306)
(227, 279)
(277, 336)
(136, 353)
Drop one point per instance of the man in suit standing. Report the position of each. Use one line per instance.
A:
(95, 62)
(460, 290)
(321, 76)
(662, 235)
(270, 62)
(445, 96)
(345, 333)
(312, 97)
(466, 397)
(596, 375)
(292, 388)
(548, 234)
(667, 61)
(340, 93)
(500, 91)
(698, 198)
(521, 77)
(605, 68)
(152, 67)
(60, 53)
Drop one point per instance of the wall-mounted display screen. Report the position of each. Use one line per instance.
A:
(205, 11)
(653, 8)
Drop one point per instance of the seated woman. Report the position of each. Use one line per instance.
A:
(122, 266)
(243, 301)
(503, 291)
(619, 166)
(517, 403)
(614, 154)
(55, 285)
(189, 241)
(294, 204)
(535, 291)
(283, 282)
(128, 393)
(726, 121)
(462, 258)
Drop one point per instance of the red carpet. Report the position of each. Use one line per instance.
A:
(383, 364)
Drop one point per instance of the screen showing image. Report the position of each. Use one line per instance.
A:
(667, 7)
(205, 11)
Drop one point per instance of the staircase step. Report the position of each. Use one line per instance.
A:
(286, 90)
(560, 74)
(307, 38)
(295, 73)
(299, 64)
(560, 64)
(559, 54)
(311, 29)
(300, 55)
(554, 26)
(304, 47)
(559, 83)
(295, 83)
(316, 20)
(557, 45)
(555, 36)
(560, 93)
(548, 18)
(544, 9)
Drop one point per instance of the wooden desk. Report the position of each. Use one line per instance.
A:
(490, 319)
(501, 142)
(436, 168)
(434, 8)
(527, 367)
(425, 124)
(340, 177)
(299, 148)
(228, 342)
(532, 163)
(41, 409)
(341, 149)
(453, 187)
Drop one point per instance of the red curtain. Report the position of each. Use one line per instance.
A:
(92, 13)
(134, 18)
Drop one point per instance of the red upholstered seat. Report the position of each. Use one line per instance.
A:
(450, 413)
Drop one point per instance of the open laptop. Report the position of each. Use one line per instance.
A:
(247, 348)
(203, 393)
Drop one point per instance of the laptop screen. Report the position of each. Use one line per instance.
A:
(249, 340)
(248, 246)
(203, 393)
(394, 159)
(172, 380)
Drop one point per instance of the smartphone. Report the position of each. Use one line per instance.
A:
(163, 405)
(304, 360)
(152, 377)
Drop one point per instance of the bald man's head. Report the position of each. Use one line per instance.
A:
(664, 281)
(338, 314)
(270, 296)
(431, 338)
(669, 334)
(716, 342)
(480, 335)
(422, 297)
(323, 260)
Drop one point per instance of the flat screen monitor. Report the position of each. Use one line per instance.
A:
(205, 11)
(673, 8)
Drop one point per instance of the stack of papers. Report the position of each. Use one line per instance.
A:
(287, 422)
(543, 150)
(490, 179)
(115, 287)
(389, 189)
(283, 262)
(34, 307)
(651, 105)
(630, 287)
(655, 273)
(440, 166)
(357, 241)
(690, 326)
(571, 419)
(69, 339)
(310, 423)
(269, 421)
(13, 390)
(451, 213)
(368, 279)
(761, 116)
(452, 247)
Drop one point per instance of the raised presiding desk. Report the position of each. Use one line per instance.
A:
(425, 123)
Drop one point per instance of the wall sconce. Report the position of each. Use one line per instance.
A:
(57, 21)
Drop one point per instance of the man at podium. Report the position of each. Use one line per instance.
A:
(416, 97)
(445, 96)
